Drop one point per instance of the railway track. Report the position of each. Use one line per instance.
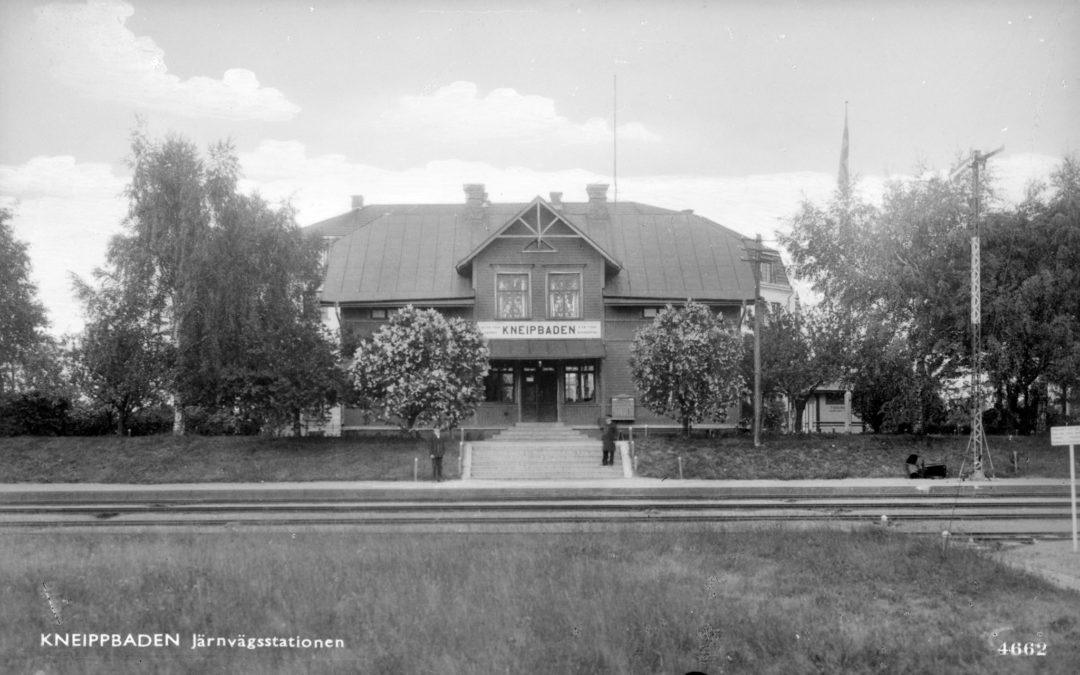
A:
(984, 511)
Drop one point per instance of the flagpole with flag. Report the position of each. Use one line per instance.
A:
(842, 179)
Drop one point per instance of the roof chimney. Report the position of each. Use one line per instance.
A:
(474, 194)
(556, 200)
(475, 197)
(597, 200)
(357, 202)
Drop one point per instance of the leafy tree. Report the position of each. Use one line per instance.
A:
(421, 368)
(290, 374)
(22, 316)
(233, 280)
(1031, 307)
(686, 365)
(263, 349)
(802, 351)
(167, 248)
(123, 355)
(881, 374)
(904, 265)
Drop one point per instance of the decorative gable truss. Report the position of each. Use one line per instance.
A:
(539, 227)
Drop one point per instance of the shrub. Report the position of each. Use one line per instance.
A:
(33, 413)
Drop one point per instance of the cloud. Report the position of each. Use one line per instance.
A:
(93, 52)
(67, 210)
(455, 113)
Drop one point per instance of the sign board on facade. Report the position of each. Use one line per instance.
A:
(540, 330)
(622, 408)
(1064, 435)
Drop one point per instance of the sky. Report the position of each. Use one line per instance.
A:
(734, 109)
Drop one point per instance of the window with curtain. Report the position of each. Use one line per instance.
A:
(564, 295)
(580, 381)
(512, 296)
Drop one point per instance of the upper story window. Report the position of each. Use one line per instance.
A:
(772, 273)
(564, 295)
(512, 295)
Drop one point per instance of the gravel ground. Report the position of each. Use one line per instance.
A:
(1054, 560)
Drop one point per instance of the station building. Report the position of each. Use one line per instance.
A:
(558, 288)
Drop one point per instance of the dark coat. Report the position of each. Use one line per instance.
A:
(438, 446)
(610, 433)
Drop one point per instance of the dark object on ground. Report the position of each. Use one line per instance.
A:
(918, 468)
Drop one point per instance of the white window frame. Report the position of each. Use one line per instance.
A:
(519, 271)
(580, 290)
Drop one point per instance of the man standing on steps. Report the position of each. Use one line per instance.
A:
(438, 449)
(608, 438)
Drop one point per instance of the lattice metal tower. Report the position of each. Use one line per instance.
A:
(977, 444)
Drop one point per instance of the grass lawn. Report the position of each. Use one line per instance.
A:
(215, 459)
(828, 456)
(167, 459)
(760, 601)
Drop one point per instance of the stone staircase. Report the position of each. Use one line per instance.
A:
(539, 451)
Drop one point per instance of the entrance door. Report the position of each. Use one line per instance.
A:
(539, 392)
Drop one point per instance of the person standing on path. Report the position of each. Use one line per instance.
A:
(438, 449)
(608, 439)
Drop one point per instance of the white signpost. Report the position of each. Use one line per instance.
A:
(1069, 436)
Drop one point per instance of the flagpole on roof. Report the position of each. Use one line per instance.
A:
(615, 136)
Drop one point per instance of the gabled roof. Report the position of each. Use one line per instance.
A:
(417, 252)
(555, 219)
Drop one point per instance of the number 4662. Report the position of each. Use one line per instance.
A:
(1022, 649)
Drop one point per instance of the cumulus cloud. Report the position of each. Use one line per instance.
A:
(92, 51)
(456, 113)
(65, 211)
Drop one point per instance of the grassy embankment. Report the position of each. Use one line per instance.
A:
(762, 601)
(166, 459)
(832, 456)
(215, 459)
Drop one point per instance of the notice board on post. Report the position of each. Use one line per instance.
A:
(622, 408)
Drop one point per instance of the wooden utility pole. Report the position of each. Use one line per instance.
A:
(756, 256)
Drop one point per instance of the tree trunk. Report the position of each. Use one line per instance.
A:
(800, 406)
(179, 427)
(179, 419)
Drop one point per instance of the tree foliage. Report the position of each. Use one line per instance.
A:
(22, 316)
(234, 282)
(802, 351)
(123, 355)
(686, 364)
(1031, 305)
(881, 375)
(906, 265)
(421, 369)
